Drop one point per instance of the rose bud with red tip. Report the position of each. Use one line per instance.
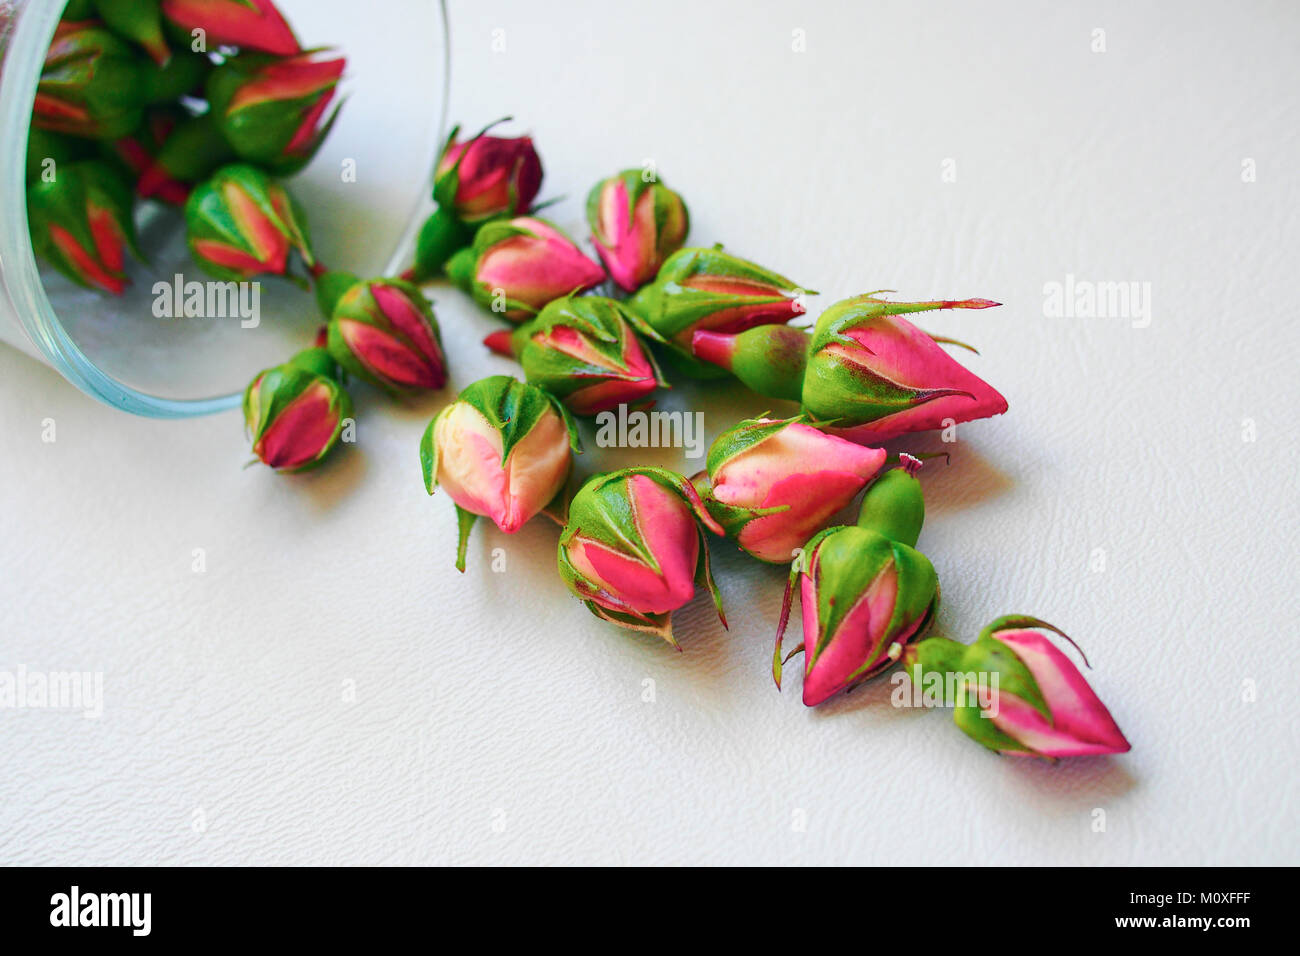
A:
(1017, 693)
(273, 111)
(487, 177)
(516, 266)
(81, 224)
(583, 350)
(876, 376)
(711, 290)
(241, 223)
(863, 590)
(773, 484)
(636, 223)
(91, 84)
(634, 550)
(247, 24)
(384, 332)
(138, 20)
(295, 412)
(503, 450)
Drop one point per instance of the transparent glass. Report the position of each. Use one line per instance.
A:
(364, 194)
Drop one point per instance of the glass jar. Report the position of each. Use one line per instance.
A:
(365, 195)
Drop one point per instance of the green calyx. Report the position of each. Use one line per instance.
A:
(894, 505)
(607, 332)
(770, 360)
(509, 406)
(440, 237)
(182, 74)
(330, 288)
(94, 72)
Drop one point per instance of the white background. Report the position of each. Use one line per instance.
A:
(496, 721)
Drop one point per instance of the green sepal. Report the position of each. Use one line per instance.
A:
(194, 149)
(972, 722)
(439, 238)
(934, 655)
(42, 145)
(139, 21)
(989, 655)
(181, 75)
(429, 452)
(464, 524)
(894, 506)
(513, 408)
(461, 267)
(330, 287)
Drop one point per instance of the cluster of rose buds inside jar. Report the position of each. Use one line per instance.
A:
(590, 335)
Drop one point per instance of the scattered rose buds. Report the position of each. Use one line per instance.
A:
(295, 412)
(711, 290)
(487, 177)
(1040, 705)
(273, 111)
(637, 223)
(503, 450)
(384, 331)
(582, 349)
(242, 223)
(773, 484)
(863, 589)
(633, 548)
(876, 376)
(81, 224)
(247, 24)
(516, 266)
(91, 85)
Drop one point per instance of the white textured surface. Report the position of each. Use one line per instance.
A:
(496, 721)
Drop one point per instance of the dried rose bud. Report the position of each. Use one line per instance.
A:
(275, 112)
(295, 412)
(583, 350)
(774, 484)
(633, 548)
(91, 84)
(138, 20)
(248, 24)
(487, 177)
(1040, 705)
(863, 589)
(242, 223)
(711, 290)
(877, 376)
(636, 224)
(81, 224)
(384, 331)
(516, 266)
(503, 450)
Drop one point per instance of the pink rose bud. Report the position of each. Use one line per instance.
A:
(295, 412)
(583, 350)
(636, 224)
(241, 223)
(81, 224)
(502, 450)
(487, 176)
(775, 484)
(276, 112)
(633, 548)
(248, 24)
(1017, 692)
(385, 333)
(877, 376)
(516, 266)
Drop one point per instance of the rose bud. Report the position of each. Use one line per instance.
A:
(1040, 705)
(878, 376)
(384, 331)
(636, 226)
(516, 266)
(769, 359)
(503, 450)
(242, 223)
(81, 224)
(91, 84)
(711, 290)
(138, 20)
(248, 24)
(582, 349)
(863, 589)
(272, 111)
(774, 484)
(486, 177)
(48, 152)
(633, 548)
(295, 412)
